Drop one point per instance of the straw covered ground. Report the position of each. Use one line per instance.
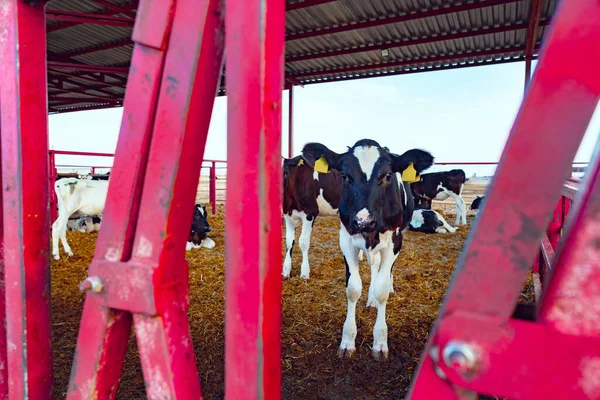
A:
(313, 314)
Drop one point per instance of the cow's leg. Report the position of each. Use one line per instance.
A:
(353, 292)
(63, 239)
(55, 236)
(290, 235)
(445, 225)
(381, 290)
(371, 302)
(305, 245)
(361, 255)
(464, 210)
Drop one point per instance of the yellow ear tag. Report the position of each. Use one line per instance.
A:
(300, 162)
(321, 166)
(409, 175)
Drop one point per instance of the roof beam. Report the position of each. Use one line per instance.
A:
(102, 47)
(403, 72)
(116, 8)
(306, 3)
(397, 19)
(401, 63)
(91, 80)
(55, 28)
(534, 21)
(411, 42)
(82, 18)
(87, 67)
(95, 99)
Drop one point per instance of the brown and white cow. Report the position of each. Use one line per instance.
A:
(306, 194)
(374, 209)
(440, 186)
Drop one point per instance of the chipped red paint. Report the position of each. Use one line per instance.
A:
(140, 251)
(506, 236)
(255, 55)
(25, 200)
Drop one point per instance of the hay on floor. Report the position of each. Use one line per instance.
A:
(313, 315)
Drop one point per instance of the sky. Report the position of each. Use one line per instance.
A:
(458, 115)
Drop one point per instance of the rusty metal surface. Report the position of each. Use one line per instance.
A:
(25, 199)
(255, 51)
(505, 238)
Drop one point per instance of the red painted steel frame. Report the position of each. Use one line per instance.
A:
(3, 359)
(553, 118)
(291, 122)
(25, 199)
(139, 255)
(255, 39)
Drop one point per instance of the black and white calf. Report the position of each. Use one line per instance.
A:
(477, 203)
(199, 230)
(375, 208)
(306, 194)
(85, 224)
(440, 186)
(429, 221)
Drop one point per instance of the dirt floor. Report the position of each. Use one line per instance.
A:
(313, 314)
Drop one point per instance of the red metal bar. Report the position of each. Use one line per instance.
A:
(394, 20)
(52, 176)
(213, 187)
(291, 122)
(532, 29)
(549, 127)
(450, 57)
(255, 57)
(114, 7)
(92, 80)
(91, 99)
(3, 342)
(306, 3)
(70, 24)
(87, 67)
(140, 251)
(82, 18)
(411, 42)
(25, 201)
(67, 108)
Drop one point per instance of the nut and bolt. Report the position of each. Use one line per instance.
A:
(91, 283)
(460, 356)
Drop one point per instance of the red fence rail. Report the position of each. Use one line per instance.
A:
(211, 168)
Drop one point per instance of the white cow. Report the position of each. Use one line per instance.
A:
(86, 197)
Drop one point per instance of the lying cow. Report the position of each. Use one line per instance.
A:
(199, 230)
(85, 224)
(374, 209)
(477, 203)
(82, 196)
(440, 186)
(429, 221)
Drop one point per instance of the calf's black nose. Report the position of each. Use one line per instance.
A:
(363, 225)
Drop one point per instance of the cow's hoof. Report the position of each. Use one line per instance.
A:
(346, 349)
(371, 302)
(70, 254)
(304, 276)
(56, 257)
(380, 352)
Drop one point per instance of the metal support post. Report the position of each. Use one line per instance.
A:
(255, 54)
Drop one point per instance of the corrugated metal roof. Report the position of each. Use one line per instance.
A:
(325, 41)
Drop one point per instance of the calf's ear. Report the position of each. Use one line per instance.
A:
(421, 160)
(314, 151)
